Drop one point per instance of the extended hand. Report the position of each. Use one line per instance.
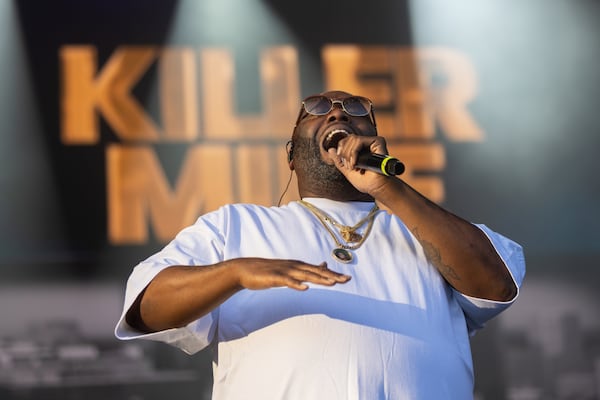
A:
(181, 294)
(261, 273)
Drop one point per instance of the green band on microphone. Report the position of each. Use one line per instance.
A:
(383, 165)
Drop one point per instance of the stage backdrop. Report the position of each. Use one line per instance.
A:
(122, 121)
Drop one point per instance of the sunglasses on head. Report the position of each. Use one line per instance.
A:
(356, 106)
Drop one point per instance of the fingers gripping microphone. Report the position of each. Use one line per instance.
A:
(385, 165)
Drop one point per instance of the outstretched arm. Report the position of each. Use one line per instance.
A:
(179, 295)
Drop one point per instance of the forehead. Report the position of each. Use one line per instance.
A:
(336, 94)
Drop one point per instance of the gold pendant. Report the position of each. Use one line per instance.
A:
(350, 236)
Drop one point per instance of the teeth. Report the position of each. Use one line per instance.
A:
(336, 131)
(333, 137)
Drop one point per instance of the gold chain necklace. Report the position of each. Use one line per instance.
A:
(348, 233)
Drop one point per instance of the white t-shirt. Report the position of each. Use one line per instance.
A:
(396, 330)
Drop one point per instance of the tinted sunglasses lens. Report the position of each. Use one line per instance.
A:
(357, 106)
(317, 105)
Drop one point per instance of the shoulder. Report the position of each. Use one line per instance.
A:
(244, 211)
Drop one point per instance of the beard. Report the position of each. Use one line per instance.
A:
(320, 177)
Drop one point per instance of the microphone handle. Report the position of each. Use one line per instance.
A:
(385, 165)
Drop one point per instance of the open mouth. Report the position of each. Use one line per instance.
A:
(333, 138)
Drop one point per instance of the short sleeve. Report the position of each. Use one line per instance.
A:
(477, 311)
(199, 244)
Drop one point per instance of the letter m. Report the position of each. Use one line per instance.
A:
(139, 194)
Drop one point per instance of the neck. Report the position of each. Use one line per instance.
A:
(327, 182)
(346, 195)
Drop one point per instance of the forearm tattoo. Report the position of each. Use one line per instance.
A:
(434, 256)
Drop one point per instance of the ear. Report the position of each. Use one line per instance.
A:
(290, 154)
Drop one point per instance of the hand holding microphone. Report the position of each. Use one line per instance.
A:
(382, 164)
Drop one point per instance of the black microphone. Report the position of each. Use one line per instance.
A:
(382, 164)
(385, 165)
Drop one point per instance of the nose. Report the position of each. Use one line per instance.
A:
(337, 114)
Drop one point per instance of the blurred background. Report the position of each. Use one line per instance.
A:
(122, 121)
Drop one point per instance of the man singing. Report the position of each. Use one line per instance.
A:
(363, 289)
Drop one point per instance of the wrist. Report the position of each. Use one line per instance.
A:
(389, 192)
